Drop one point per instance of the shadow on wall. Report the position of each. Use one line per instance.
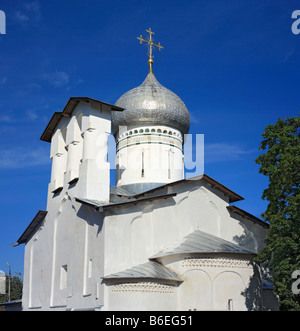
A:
(253, 293)
(91, 216)
(247, 239)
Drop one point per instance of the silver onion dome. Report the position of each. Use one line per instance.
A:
(151, 104)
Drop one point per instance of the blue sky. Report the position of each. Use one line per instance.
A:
(235, 64)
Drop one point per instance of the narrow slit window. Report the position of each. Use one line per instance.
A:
(169, 164)
(63, 276)
(143, 166)
(90, 271)
(230, 305)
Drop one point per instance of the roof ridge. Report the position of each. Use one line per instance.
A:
(201, 242)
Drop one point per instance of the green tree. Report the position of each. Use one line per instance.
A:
(281, 163)
(15, 289)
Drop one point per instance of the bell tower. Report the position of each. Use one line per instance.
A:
(78, 137)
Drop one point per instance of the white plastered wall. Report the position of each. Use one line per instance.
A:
(141, 230)
(149, 154)
(64, 258)
(79, 152)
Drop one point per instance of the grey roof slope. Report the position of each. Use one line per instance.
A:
(233, 197)
(121, 203)
(35, 223)
(201, 242)
(67, 112)
(117, 190)
(243, 213)
(148, 270)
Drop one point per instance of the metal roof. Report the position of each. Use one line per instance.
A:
(152, 270)
(233, 197)
(245, 214)
(104, 206)
(130, 190)
(151, 104)
(201, 242)
(67, 112)
(117, 190)
(35, 223)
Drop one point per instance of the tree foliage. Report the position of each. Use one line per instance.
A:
(16, 286)
(281, 163)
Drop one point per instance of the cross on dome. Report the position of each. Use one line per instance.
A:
(150, 43)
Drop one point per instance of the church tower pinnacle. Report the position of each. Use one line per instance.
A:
(150, 43)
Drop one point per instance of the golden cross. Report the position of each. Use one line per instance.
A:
(150, 44)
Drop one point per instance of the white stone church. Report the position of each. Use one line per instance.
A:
(155, 241)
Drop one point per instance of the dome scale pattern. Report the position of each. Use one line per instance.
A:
(151, 104)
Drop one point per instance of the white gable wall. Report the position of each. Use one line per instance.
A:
(76, 246)
(135, 233)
